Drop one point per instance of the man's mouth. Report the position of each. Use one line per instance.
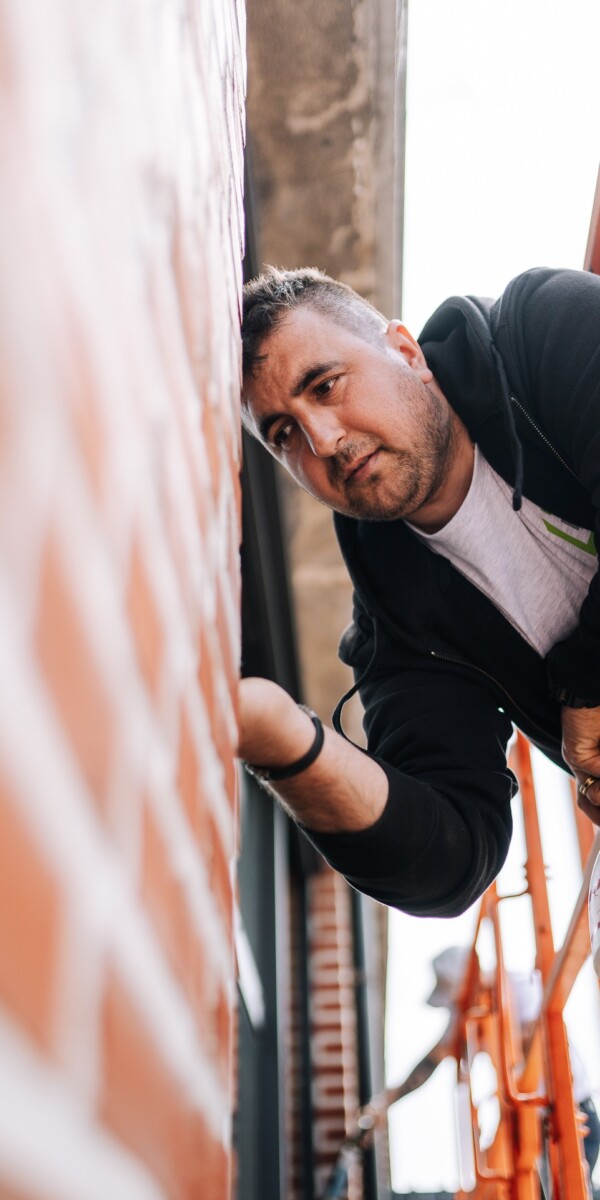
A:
(361, 468)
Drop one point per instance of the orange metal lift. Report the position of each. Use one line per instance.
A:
(535, 1092)
(537, 1107)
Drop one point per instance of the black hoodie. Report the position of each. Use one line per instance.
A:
(441, 673)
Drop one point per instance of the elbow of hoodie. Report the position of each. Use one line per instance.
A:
(426, 891)
(427, 855)
(461, 858)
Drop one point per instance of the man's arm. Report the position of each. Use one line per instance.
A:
(427, 841)
(342, 791)
(377, 1109)
(419, 1074)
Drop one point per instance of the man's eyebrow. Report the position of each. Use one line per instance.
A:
(302, 383)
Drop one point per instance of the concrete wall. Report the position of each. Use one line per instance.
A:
(120, 249)
(326, 134)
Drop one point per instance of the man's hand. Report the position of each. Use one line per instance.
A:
(343, 790)
(273, 730)
(581, 750)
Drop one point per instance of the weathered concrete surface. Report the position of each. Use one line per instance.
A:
(321, 127)
(326, 140)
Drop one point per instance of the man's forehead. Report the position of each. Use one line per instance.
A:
(303, 338)
(303, 342)
(298, 332)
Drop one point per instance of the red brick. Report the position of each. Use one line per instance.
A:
(181, 271)
(64, 652)
(145, 621)
(30, 915)
(211, 436)
(223, 745)
(7, 1192)
(180, 560)
(162, 895)
(235, 476)
(230, 770)
(205, 676)
(142, 1103)
(234, 566)
(221, 737)
(187, 770)
(224, 1033)
(86, 423)
(220, 878)
(188, 781)
(228, 637)
(167, 905)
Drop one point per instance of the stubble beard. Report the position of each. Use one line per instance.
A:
(414, 478)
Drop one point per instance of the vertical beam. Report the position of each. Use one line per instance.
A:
(534, 867)
(591, 261)
(566, 1149)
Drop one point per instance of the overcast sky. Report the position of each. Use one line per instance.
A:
(503, 148)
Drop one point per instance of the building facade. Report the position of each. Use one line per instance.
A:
(190, 1003)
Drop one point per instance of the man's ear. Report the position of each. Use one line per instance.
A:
(399, 338)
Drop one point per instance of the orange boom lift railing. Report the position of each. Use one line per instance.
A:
(536, 1100)
(535, 1092)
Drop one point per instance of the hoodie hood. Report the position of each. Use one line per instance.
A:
(459, 348)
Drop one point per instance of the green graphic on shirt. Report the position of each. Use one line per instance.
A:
(589, 547)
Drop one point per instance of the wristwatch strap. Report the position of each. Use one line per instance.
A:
(566, 697)
(271, 774)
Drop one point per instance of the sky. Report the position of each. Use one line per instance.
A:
(502, 157)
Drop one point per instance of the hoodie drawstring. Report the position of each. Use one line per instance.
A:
(336, 716)
(517, 449)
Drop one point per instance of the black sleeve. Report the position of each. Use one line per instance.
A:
(441, 740)
(550, 328)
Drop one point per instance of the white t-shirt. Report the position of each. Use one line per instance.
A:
(535, 568)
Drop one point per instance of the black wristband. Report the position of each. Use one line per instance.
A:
(567, 698)
(270, 774)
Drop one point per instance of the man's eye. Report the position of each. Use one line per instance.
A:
(324, 388)
(282, 435)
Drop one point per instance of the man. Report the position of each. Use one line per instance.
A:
(464, 473)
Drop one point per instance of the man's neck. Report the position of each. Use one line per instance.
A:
(445, 503)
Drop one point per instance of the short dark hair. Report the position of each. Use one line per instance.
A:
(275, 292)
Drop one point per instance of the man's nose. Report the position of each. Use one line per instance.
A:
(324, 434)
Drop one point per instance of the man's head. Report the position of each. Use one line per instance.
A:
(449, 967)
(342, 398)
(270, 297)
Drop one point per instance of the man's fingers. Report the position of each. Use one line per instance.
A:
(588, 796)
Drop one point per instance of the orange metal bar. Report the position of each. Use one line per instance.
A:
(508, 1055)
(576, 946)
(591, 261)
(534, 867)
(565, 1131)
(481, 1171)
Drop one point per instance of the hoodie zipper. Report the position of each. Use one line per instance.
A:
(542, 435)
(461, 662)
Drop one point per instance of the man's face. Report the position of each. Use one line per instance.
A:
(361, 426)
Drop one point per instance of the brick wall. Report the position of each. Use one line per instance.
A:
(333, 1031)
(120, 247)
